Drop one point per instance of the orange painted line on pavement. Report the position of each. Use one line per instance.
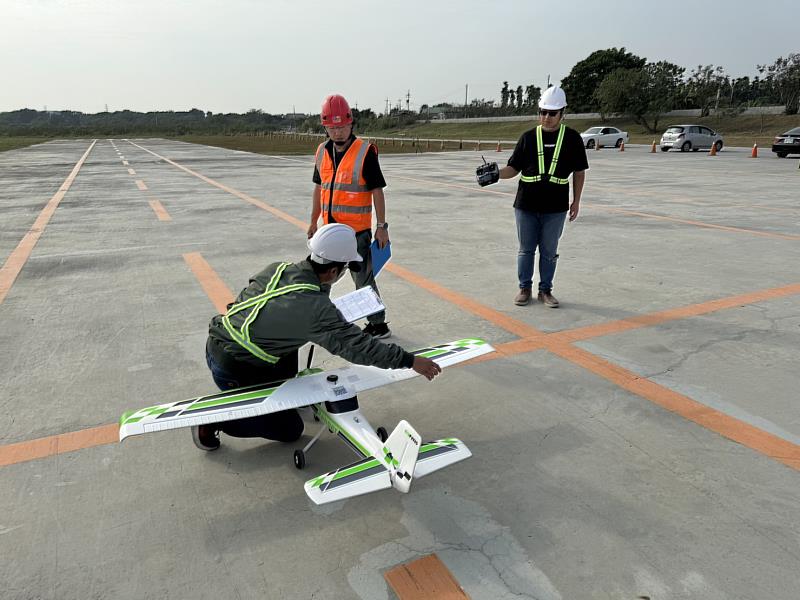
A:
(159, 209)
(262, 205)
(141, 185)
(212, 284)
(426, 578)
(558, 343)
(11, 454)
(19, 256)
(743, 433)
(693, 310)
(493, 316)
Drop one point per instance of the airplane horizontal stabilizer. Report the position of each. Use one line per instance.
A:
(440, 454)
(362, 477)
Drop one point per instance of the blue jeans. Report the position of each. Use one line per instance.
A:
(542, 230)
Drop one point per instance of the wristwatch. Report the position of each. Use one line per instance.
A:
(381, 226)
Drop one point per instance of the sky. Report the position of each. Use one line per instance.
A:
(284, 56)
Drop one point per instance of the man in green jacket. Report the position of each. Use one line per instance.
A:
(285, 306)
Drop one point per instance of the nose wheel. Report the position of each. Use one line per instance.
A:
(299, 459)
(381, 431)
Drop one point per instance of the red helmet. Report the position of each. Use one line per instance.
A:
(335, 111)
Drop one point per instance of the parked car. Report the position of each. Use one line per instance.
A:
(787, 143)
(690, 137)
(604, 136)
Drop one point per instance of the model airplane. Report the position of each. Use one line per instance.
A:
(386, 460)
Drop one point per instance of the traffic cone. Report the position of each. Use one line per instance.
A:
(499, 147)
(653, 148)
(622, 147)
(754, 153)
(597, 145)
(713, 151)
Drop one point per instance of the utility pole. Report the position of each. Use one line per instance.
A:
(387, 106)
(466, 93)
(294, 120)
(548, 80)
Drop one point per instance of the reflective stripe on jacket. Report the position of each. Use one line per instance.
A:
(550, 174)
(286, 321)
(242, 335)
(352, 200)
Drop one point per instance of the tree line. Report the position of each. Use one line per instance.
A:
(617, 81)
(27, 122)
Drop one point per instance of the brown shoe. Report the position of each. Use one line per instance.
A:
(548, 299)
(523, 297)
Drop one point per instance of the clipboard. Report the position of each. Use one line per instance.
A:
(380, 256)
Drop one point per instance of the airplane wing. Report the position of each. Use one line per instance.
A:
(293, 393)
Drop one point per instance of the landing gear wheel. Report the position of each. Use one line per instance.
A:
(299, 459)
(381, 431)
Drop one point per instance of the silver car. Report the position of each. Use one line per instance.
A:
(690, 137)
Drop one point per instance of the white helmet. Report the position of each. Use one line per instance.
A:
(553, 98)
(334, 242)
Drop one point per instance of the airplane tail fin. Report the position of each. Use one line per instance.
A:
(401, 450)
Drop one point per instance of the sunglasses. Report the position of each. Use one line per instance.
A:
(549, 113)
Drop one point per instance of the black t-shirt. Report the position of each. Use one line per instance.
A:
(372, 169)
(546, 196)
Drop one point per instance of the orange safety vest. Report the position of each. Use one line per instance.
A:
(352, 200)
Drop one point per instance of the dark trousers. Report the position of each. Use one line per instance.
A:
(365, 276)
(283, 426)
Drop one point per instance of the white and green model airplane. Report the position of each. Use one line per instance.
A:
(393, 460)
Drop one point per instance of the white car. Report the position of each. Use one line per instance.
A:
(604, 136)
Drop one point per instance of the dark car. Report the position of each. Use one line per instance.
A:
(787, 143)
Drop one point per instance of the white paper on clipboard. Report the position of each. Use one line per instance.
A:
(359, 304)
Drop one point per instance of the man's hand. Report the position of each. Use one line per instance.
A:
(574, 208)
(312, 229)
(426, 367)
(382, 237)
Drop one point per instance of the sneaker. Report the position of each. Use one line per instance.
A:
(378, 330)
(205, 437)
(547, 299)
(523, 297)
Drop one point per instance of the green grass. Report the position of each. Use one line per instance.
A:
(289, 144)
(12, 143)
